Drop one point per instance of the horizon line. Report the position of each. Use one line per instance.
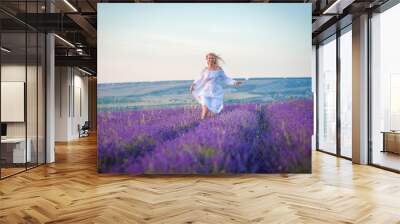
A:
(272, 77)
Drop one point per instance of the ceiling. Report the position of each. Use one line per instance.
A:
(75, 22)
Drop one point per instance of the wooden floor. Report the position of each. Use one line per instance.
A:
(70, 191)
(10, 171)
(386, 159)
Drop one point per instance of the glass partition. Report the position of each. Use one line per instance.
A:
(22, 78)
(14, 153)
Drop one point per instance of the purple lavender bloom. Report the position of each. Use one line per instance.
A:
(245, 138)
(222, 144)
(286, 141)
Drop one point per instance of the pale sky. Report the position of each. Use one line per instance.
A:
(169, 41)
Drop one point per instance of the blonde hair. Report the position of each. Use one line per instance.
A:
(217, 57)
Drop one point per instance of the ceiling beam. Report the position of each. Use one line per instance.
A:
(337, 6)
(83, 23)
(82, 61)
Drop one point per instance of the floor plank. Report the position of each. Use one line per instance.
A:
(71, 191)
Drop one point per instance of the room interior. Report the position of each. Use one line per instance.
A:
(49, 91)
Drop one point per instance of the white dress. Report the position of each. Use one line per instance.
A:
(208, 89)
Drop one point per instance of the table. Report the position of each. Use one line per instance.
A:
(16, 147)
(391, 141)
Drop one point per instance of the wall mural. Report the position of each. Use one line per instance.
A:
(197, 89)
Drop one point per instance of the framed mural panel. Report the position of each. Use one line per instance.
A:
(204, 88)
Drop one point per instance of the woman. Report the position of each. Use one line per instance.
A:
(208, 89)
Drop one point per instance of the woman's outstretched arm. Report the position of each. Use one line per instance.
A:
(229, 81)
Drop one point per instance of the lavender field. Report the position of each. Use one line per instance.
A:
(245, 138)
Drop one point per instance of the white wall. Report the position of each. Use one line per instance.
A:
(62, 82)
(70, 83)
(79, 117)
(314, 90)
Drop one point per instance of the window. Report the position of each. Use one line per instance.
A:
(346, 93)
(327, 96)
(385, 88)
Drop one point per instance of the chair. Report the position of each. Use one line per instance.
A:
(84, 130)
